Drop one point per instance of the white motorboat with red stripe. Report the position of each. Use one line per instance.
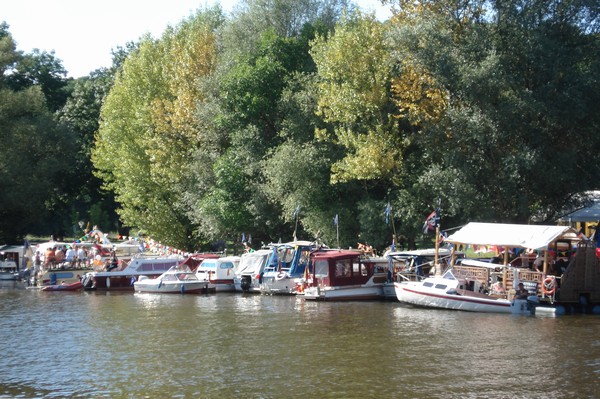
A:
(448, 292)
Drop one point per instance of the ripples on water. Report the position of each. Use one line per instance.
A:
(129, 345)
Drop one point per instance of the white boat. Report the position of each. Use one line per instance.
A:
(283, 274)
(13, 260)
(8, 270)
(220, 272)
(123, 277)
(413, 265)
(448, 292)
(176, 280)
(344, 275)
(248, 275)
(469, 286)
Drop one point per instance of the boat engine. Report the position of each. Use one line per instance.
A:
(246, 283)
(87, 281)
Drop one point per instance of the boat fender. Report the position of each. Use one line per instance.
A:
(549, 285)
(182, 288)
(108, 282)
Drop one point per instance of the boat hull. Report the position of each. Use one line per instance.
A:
(415, 294)
(175, 288)
(344, 293)
(76, 286)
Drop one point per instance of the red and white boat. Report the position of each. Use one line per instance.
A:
(344, 275)
(448, 292)
(143, 264)
(75, 286)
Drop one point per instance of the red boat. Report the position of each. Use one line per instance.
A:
(63, 287)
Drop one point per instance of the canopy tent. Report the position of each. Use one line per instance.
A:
(587, 214)
(537, 237)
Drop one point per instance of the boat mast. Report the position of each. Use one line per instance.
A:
(438, 266)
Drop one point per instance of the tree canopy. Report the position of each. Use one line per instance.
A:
(310, 110)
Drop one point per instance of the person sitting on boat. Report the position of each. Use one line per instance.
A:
(498, 288)
(49, 258)
(114, 261)
(59, 256)
(521, 293)
(70, 256)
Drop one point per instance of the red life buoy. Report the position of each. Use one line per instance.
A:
(549, 285)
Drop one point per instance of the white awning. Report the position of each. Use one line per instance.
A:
(512, 235)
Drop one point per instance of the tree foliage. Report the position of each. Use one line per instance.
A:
(35, 155)
(227, 126)
(148, 132)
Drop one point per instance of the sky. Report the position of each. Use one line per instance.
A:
(82, 33)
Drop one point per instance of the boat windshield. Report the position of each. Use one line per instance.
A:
(449, 276)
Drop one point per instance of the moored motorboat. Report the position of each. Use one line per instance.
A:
(448, 292)
(344, 275)
(248, 275)
(471, 285)
(219, 271)
(74, 286)
(176, 280)
(123, 277)
(412, 265)
(283, 273)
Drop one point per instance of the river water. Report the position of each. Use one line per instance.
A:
(126, 345)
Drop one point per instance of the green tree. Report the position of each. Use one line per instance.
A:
(35, 155)
(43, 69)
(149, 130)
(498, 105)
(248, 117)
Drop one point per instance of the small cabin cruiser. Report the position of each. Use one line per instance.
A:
(220, 272)
(176, 280)
(344, 275)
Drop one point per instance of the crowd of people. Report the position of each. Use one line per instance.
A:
(72, 257)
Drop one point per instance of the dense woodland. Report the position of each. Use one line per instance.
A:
(236, 124)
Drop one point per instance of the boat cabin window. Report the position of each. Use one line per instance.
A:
(321, 268)
(441, 286)
(427, 284)
(343, 268)
(226, 265)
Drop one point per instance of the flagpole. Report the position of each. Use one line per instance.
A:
(438, 271)
(438, 266)
(337, 228)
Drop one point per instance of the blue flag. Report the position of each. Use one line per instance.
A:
(335, 220)
(388, 210)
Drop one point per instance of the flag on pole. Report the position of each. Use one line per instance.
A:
(296, 211)
(429, 224)
(243, 237)
(388, 210)
(335, 220)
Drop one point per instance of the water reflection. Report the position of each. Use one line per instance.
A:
(124, 345)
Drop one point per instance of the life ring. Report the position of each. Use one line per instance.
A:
(549, 285)
(280, 276)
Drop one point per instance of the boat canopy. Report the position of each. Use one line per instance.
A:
(421, 252)
(537, 237)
